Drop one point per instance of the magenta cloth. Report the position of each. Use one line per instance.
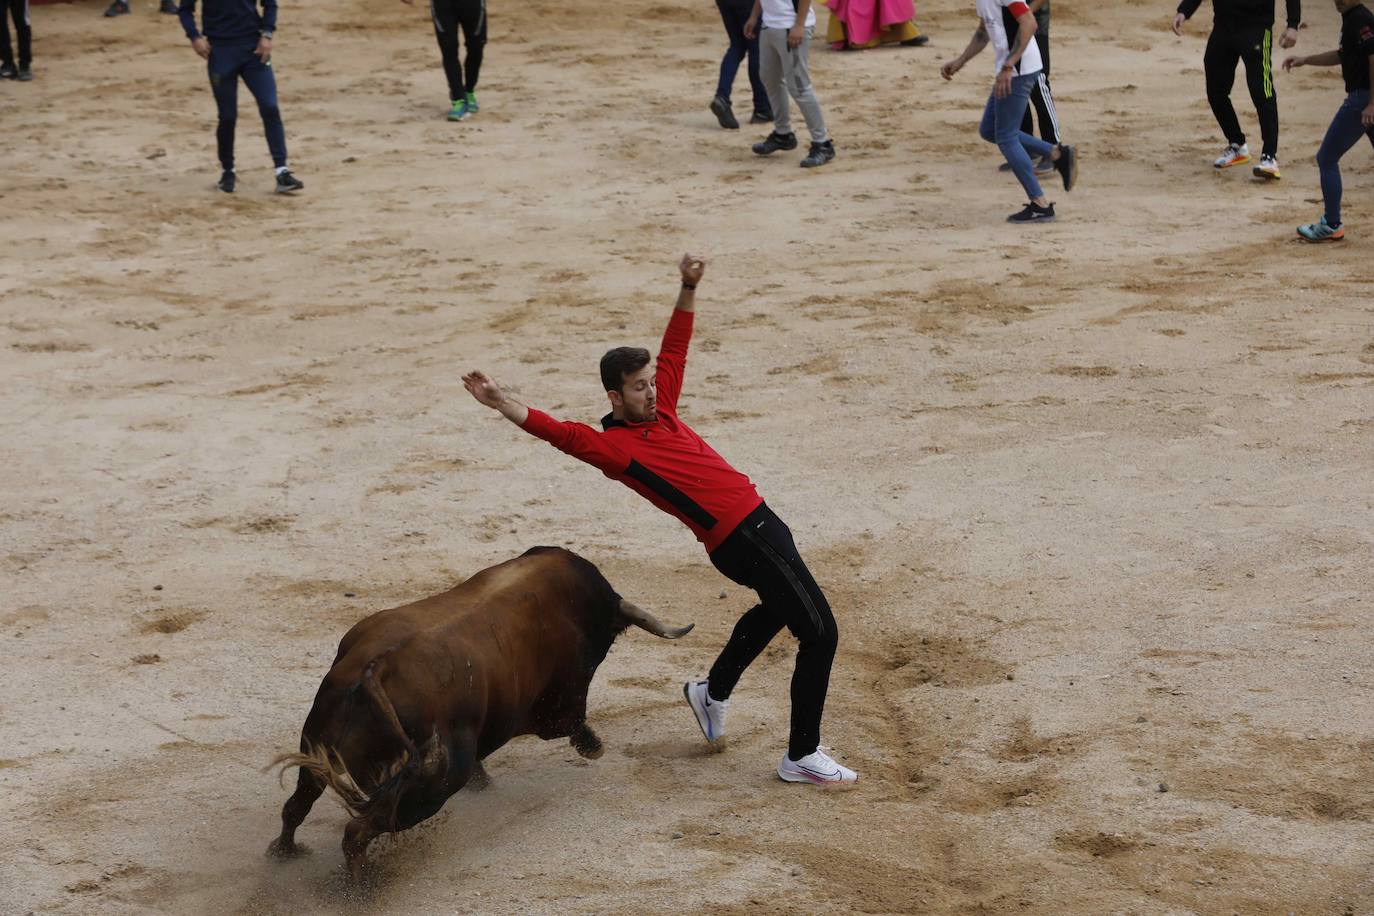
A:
(864, 19)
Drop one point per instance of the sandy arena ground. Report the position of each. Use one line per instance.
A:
(1092, 502)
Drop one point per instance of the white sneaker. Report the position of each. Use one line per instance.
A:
(1234, 154)
(710, 713)
(1267, 169)
(816, 768)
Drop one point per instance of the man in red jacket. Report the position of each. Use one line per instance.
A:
(644, 445)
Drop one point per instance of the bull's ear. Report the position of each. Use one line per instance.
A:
(646, 621)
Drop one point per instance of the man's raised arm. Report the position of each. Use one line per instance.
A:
(671, 365)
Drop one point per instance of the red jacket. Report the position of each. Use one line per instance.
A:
(664, 460)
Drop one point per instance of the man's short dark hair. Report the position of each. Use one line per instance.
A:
(620, 362)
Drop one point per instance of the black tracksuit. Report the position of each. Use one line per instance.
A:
(1243, 30)
(19, 10)
(449, 16)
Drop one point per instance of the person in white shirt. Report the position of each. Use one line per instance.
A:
(1009, 25)
(787, 27)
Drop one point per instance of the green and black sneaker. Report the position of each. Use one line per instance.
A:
(472, 103)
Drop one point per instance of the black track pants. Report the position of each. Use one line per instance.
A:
(760, 554)
(1228, 45)
(450, 16)
(1041, 99)
(18, 10)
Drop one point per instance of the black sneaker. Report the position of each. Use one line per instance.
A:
(774, 142)
(118, 8)
(168, 6)
(760, 117)
(25, 74)
(916, 42)
(1033, 213)
(226, 181)
(724, 113)
(7, 72)
(1067, 166)
(820, 154)
(288, 183)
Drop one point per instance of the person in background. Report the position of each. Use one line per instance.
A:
(1244, 30)
(237, 42)
(734, 14)
(1353, 120)
(784, 32)
(856, 25)
(471, 16)
(10, 69)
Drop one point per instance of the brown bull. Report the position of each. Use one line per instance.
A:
(418, 695)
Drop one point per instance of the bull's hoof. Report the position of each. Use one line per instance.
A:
(479, 780)
(283, 852)
(586, 743)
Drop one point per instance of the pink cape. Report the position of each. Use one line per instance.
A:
(864, 19)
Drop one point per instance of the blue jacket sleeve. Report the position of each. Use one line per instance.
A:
(1294, 13)
(186, 12)
(269, 15)
(1189, 7)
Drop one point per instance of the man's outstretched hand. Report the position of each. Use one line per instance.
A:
(482, 387)
(692, 267)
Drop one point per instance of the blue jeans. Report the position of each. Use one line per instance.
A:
(1002, 125)
(1345, 131)
(229, 60)
(734, 13)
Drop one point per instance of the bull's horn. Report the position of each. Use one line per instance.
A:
(646, 621)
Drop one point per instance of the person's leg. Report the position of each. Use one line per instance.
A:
(1014, 144)
(773, 52)
(754, 631)
(474, 22)
(224, 83)
(797, 77)
(735, 51)
(1042, 98)
(444, 13)
(1219, 63)
(762, 104)
(263, 84)
(1343, 133)
(23, 33)
(1257, 50)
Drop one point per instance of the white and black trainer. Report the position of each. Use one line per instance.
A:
(816, 768)
(710, 713)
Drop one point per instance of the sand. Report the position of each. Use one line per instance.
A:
(1092, 502)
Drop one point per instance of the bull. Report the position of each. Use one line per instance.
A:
(419, 695)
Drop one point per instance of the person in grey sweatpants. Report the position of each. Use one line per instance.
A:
(783, 42)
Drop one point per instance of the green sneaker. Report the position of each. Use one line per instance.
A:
(459, 111)
(1322, 231)
(472, 104)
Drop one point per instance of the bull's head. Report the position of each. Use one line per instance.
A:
(646, 621)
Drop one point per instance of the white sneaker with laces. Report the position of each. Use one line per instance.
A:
(1268, 168)
(1234, 154)
(710, 713)
(816, 768)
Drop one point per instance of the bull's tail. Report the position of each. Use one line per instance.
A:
(414, 765)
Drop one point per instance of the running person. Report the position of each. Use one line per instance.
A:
(1355, 117)
(238, 43)
(1009, 26)
(19, 10)
(733, 15)
(449, 16)
(1244, 30)
(644, 445)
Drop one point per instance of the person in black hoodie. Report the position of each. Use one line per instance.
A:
(1244, 30)
(237, 42)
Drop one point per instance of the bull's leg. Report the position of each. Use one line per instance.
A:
(357, 835)
(308, 789)
(479, 779)
(585, 741)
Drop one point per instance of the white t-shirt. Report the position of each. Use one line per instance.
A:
(999, 19)
(781, 14)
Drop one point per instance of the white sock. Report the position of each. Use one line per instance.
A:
(280, 169)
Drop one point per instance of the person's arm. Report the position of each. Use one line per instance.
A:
(576, 439)
(670, 368)
(269, 26)
(976, 44)
(1290, 34)
(1186, 9)
(797, 34)
(751, 25)
(1025, 31)
(1324, 59)
(186, 12)
(1037, 5)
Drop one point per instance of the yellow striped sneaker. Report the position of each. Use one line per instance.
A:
(1234, 154)
(1267, 169)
